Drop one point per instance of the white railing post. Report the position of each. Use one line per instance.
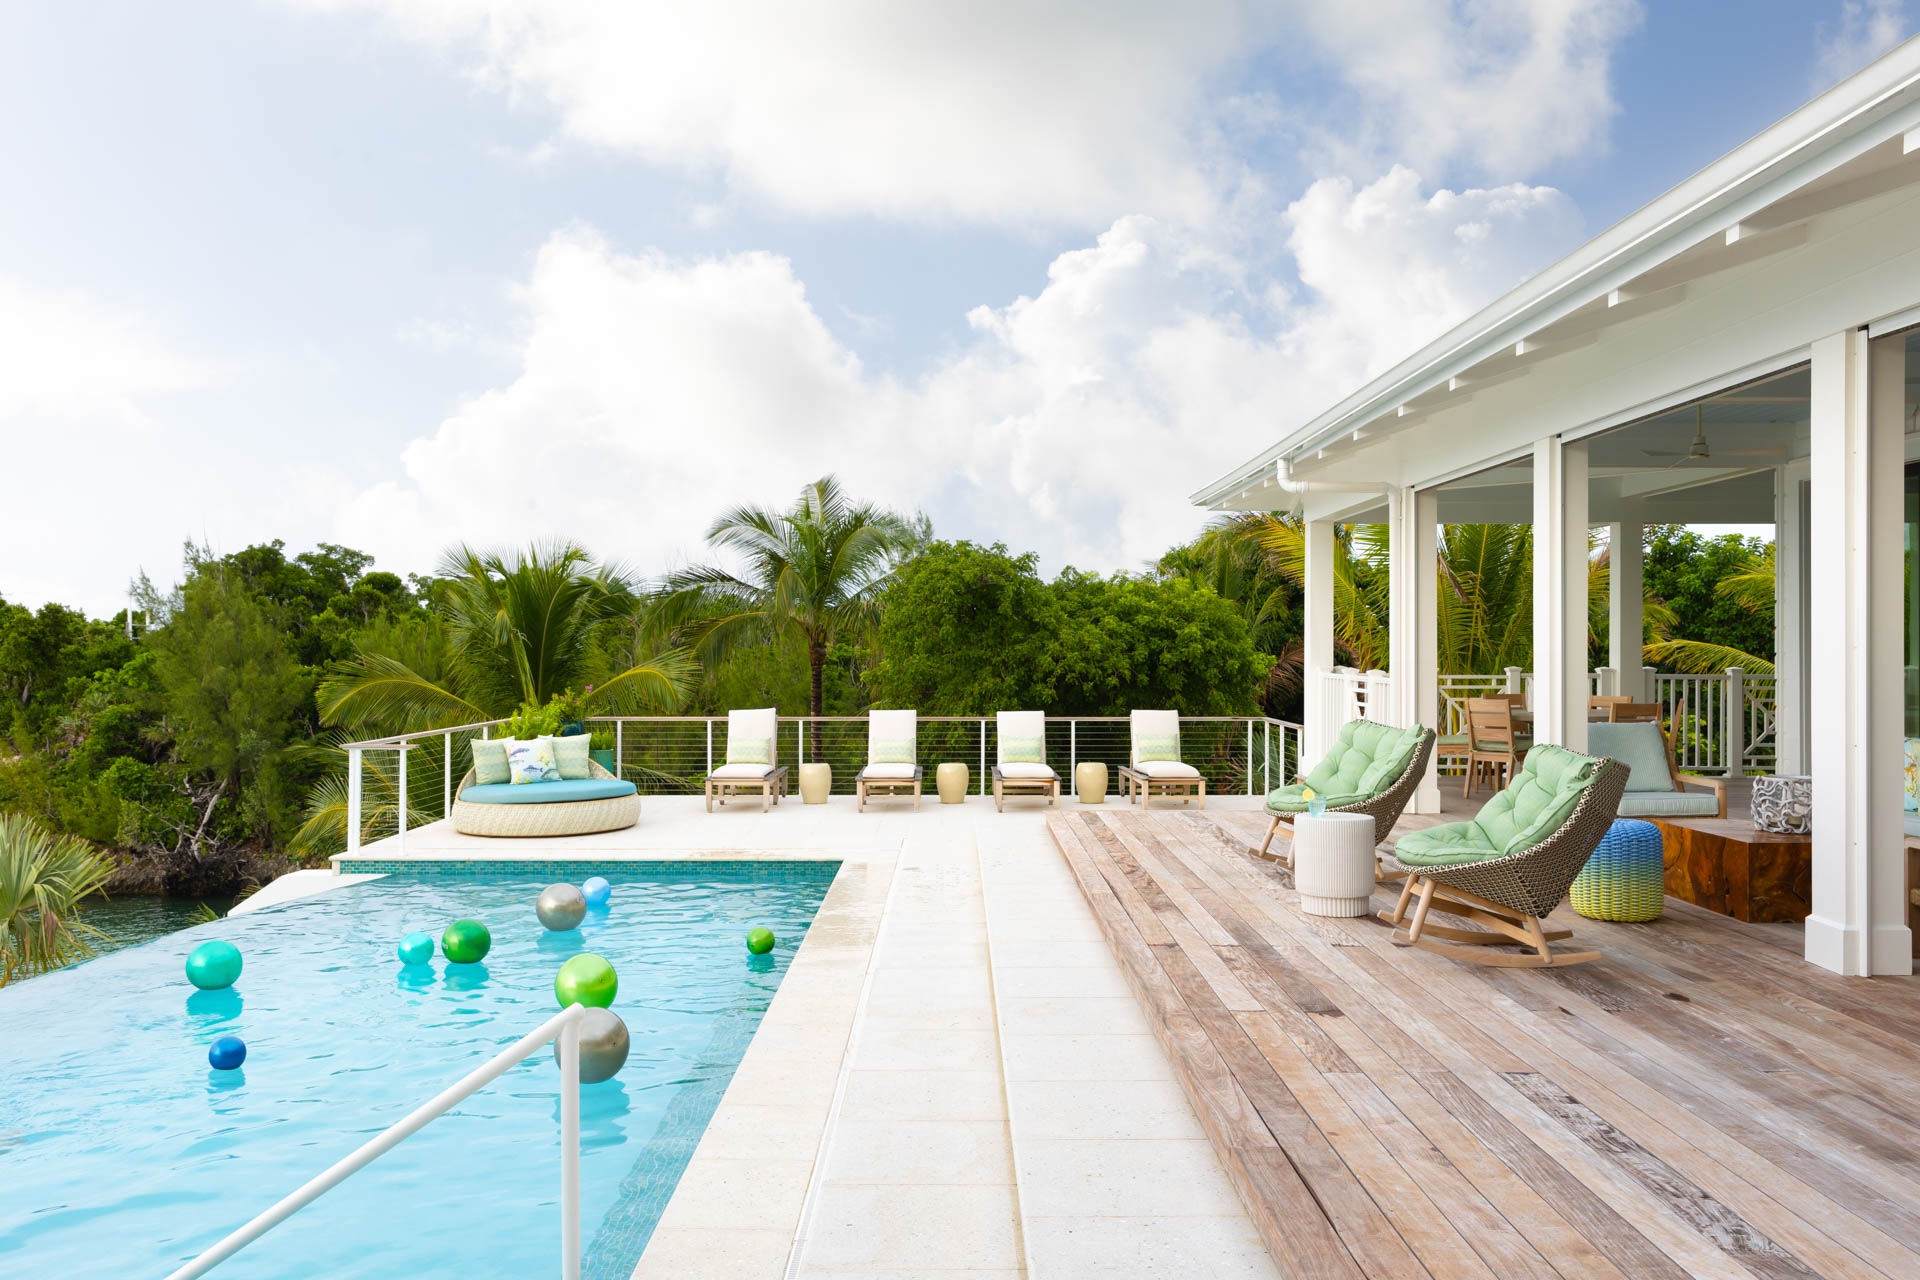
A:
(353, 800)
(446, 774)
(1733, 714)
(400, 804)
(1266, 755)
(709, 744)
(1516, 679)
(983, 756)
(1073, 748)
(570, 1150)
(1606, 680)
(619, 749)
(1249, 756)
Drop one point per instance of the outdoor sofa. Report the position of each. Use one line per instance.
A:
(592, 800)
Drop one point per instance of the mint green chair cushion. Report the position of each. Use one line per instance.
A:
(1534, 807)
(1364, 760)
(1292, 798)
(1640, 747)
(1668, 804)
(547, 792)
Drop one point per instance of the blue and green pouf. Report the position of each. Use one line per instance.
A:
(1625, 879)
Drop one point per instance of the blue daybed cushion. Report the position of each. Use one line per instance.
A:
(547, 792)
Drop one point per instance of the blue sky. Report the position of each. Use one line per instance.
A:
(381, 272)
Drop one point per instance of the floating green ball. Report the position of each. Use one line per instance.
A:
(760, 940)
(586, 979)
(466, 942)
(416, 948)
(213, 965)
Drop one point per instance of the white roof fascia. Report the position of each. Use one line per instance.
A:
(1864, 111)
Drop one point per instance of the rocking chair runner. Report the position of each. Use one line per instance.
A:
(1510, 893)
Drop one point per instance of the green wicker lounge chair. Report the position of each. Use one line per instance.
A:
(1372, 769)
(1510, 867)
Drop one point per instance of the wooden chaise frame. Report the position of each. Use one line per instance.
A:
(1512, 895)
(865, 788)
(771, 786)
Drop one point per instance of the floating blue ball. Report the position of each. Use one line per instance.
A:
(596, 891)
(227, 1053)
(416, 948)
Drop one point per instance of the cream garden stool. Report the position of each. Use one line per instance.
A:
(1333, 864)
(951, 780)
(816, 782)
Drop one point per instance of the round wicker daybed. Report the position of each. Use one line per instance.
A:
(574, 807)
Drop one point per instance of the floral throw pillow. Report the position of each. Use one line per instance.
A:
(532, 761)
(1023, 750)
(1157, 747)
(1913, 775)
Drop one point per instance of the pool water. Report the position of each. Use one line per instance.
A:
(123, 1154)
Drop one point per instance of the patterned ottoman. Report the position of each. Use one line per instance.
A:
(1624, 879)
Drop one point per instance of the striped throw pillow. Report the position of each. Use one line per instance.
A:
(1023, 750)
(1157, 747)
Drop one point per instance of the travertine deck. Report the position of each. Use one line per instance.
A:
(1698, 1102)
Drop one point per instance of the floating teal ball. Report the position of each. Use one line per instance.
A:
(586, 979)
(213, 965)
(466, 942)
(227, 1053)
(416, 948)
(596, 891)
(760, 940)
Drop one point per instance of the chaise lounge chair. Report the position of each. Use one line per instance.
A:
(1154, 763)
(1510, 867)
(753, 760)
(1020, 764)
(893, 747)
(1372, 769)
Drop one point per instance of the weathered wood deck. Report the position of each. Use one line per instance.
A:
(1700, 1101)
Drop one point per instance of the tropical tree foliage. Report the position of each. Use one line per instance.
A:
(1726, 594)
(43, 877)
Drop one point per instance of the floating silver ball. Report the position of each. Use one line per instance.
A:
(603, 1045)
(561, 907)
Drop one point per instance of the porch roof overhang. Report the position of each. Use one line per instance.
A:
(1833, 190)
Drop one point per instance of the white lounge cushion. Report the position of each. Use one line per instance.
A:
(1167, 769)
(742, 771)
(1027, 771)
(887, 772)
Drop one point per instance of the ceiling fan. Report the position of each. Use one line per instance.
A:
(1697, 449)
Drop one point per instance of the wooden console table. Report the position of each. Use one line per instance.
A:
(1724, 865)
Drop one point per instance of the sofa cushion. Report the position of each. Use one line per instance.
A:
(490, 760)
(571, 751)
(1292, 798)
(1366, 758)
(567, 789)
(1445, 845)
(1549, 787)
(1668, 804)
(1640, 747)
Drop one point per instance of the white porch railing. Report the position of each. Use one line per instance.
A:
(564, 1026)
(1720, 723)
(672, 755)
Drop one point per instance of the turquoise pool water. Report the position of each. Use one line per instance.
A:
(123, 1154)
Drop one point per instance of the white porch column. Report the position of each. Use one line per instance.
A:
(1626, 608)
(1858, 925)
(1413, 526)
(1560, 593)
(1790, 617)
(1317, 642)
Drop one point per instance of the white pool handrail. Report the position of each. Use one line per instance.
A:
(563, 1026)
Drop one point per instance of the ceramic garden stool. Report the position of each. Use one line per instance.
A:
(1090, 782)
(951, 779)
(816, 782)
(1625, 879)
(1333, 863)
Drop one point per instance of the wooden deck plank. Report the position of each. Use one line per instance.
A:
(1698, 1102)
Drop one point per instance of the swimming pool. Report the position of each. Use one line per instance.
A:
(123, 1154)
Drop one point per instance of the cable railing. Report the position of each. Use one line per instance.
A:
(563, 1027)
(672, 755)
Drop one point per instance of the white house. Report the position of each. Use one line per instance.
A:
(1744, 349)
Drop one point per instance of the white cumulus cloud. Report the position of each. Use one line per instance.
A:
(1865, 29)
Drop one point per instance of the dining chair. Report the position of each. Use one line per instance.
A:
(1493, 743)
(1633, 712)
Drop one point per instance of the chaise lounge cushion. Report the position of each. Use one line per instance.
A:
(1026, 771)
(1167, 769)
(887, 772)
(1639, 746)
(1538, 803)
(739, 771)
(566, 789)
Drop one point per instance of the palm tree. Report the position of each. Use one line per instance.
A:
(814, 570)
(1751, 587)
(43, 877)
(517, 631)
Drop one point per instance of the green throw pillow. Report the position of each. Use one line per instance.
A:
(489, 761)
(891, 751)
(745, 750)
(571, 751)
(1031, 750)
(1156, 747)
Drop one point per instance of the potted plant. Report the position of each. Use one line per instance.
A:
(531, 721)
(570, 711)
(600, 748)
